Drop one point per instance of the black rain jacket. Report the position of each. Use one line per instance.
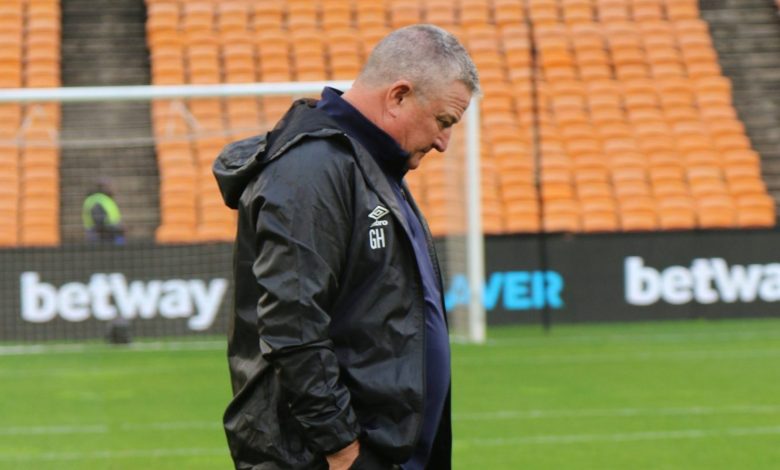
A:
(326, 342)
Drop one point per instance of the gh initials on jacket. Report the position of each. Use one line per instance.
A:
(376, 233)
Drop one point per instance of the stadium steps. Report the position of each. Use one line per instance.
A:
(103, 44)
(746, 34)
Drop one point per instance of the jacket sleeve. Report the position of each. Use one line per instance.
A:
(303, 207)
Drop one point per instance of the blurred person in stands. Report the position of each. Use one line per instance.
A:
(101, 215)
(338, 344)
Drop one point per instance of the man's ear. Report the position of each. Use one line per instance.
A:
(397, 95)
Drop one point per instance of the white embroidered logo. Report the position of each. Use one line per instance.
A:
(376, 236)
(377, 214)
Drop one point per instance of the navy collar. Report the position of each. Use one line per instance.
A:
(385, 150)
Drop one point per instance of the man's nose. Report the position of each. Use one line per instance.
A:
(442, 140)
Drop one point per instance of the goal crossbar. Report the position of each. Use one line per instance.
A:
(150, 92)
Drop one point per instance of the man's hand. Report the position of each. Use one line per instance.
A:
(344, 458)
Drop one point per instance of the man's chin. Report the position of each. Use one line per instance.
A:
(415, 159)
(414, 162)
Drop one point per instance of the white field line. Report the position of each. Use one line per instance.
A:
(27, 350)
(97, 372)
(727, 336)
(171, 426)
(483, 416)
(56, 429)
(112, 454)
(106, 429)
(618, 437)
(210, 345)
(615, 412)
(557, 439)
(611, 357)
(38, 349)
(619, 356)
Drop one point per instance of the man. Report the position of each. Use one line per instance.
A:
(338, 345)
(101, 215)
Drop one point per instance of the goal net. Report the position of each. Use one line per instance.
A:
(171, 272)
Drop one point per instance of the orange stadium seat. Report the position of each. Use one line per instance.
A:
(637, 213)
(676, 212)
(716, 211)
(267, 14)
(561, 215)
(755, 210)
(681, 9)
(598, 215)
(440, 12)
(232, 16)
(336, 14)
(403, 13)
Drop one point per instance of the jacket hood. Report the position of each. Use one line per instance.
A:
(240, 161)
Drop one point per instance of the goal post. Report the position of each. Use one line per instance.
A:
(465, 250)
(475, 240)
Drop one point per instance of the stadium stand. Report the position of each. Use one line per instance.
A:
(102, 44)
(635, 124)
(29, 155)
(658, 136)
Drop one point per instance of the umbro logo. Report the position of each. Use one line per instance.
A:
(376, 236)
(377, 214)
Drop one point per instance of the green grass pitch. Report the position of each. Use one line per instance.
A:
(671, 395)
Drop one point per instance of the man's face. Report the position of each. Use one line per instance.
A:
(426, 123)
